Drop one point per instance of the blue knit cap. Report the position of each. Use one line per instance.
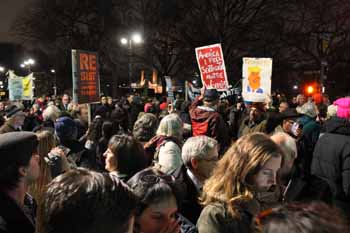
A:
(65, 128)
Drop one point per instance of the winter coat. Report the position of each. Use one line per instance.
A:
(14, 219)
(206, 121)
(247, 128)
(215, 218)
(331, 160)
(189, 195)
(7, 128)
(169, 157)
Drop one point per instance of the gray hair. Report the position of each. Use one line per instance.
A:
(170, 126)
(51, 113)
(197, 147)
(287, 144)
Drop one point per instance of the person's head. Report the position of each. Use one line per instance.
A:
(170, 126)
(15, 116)
(158, 206)
(83, 113)
(256, 112)
(283, 106)
(19, 159)
(107, 129)
(290, 152)
(66, 128)
(289, 117)
(312, 217)
(301, 99)
(343, 107)
(125, 154)
(109, 100)
(65, 99)
(331, 111)
(211, 98)
(250, 166)
(2, 106)
(51, 113)
(145, 127)
(35, 108)
(200, 155)
(81, 200)
(95, 130)
(103, 100)
(294, 100)
(308, 109)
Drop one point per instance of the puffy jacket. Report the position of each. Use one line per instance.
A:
(331, 160)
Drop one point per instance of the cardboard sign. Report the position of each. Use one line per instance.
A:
(86, 79)
(211, 64)
(257, 74)
(20, 88)
(169, 88)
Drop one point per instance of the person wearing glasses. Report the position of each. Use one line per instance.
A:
(200, 155)
(242, 184)
(157, 211)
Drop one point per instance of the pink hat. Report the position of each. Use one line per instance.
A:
(343, 110)
(147, 107)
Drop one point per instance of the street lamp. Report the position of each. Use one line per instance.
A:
(135, 38)
(53, 71)
(28, 63)
(2, 69)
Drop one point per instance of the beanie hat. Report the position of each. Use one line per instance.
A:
(211, 95)
(343, 105)
(16, 148)
(65, 128)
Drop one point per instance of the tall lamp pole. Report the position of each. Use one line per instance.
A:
(129, 41)
(55, 82)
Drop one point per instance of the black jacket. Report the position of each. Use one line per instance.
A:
(189, 206)
(331, 160)
(304, 187)
(12, 218)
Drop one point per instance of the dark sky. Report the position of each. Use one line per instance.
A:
(9, 9)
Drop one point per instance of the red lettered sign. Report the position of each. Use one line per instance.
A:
(212, 67)
(86, 82)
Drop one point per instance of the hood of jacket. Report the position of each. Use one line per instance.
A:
(337, 125)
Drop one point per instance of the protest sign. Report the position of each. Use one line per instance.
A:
(256, 78)
(86, 80)
(169, 88)
(20, 88)
(211, 64)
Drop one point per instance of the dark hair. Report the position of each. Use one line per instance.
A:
(301, 218)
(151, 186)
(86, 201)
(95, 130)
(129, 154)
(10, 176)
(145, 127)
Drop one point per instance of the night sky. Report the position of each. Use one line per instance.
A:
(9, 9)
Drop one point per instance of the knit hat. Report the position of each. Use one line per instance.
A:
(16, 148)
(343, 105)
(308, 109)
(13, 110)
(65, 128)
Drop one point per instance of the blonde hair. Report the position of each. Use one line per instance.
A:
(37, 190)
(232, 179)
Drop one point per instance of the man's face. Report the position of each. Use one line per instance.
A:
(84, 114)
(254, 80)
(18, 121)
(254, 114)
(283, 107)
(301, 100)
(65, 99)
(2, 106)
(104, 100)
(33, 170)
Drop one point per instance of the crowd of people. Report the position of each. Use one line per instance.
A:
(211, 165)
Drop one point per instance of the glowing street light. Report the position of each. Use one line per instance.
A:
(124, 41)
(136, 38)
(295, 87)
(53, 71)
(2, 69)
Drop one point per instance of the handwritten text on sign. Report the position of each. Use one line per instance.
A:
(212, 66)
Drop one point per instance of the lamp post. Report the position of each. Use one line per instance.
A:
(28, 63)
(55, 83)
(129, 41)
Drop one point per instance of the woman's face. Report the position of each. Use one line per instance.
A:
(158, 216)
(110, 160)
(266, 177)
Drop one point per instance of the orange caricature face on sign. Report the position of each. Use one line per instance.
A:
(254, 79)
